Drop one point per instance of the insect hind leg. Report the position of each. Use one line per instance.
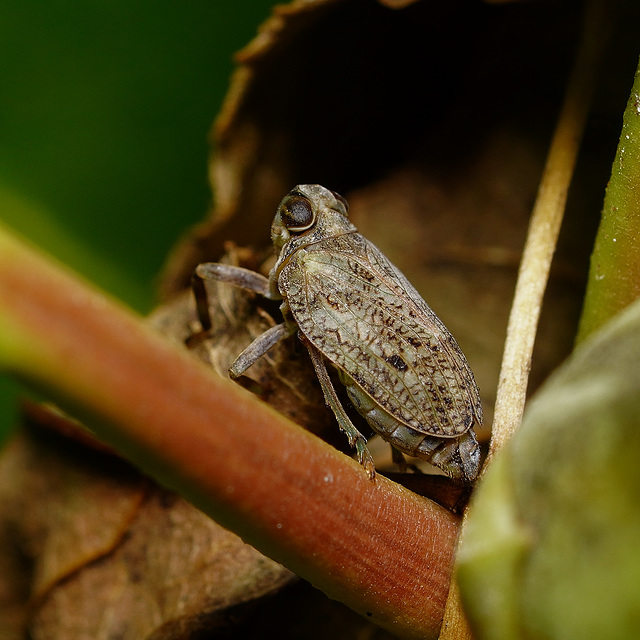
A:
(356, 439)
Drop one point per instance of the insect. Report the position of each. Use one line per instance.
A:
(402, 369)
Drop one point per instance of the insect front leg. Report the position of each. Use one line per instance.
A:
(243, 279)
(236, 276)
(356, 439)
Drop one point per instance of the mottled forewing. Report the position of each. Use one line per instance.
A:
(367, 319)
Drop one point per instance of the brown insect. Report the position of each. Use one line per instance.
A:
(403, 370)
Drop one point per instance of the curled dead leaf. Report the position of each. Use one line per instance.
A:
(433, 120)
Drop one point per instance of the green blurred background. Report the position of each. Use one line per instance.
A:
(104, 113)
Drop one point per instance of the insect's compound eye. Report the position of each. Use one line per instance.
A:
(342, 201)
(297, 214)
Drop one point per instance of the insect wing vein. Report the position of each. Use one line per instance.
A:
(364, 317)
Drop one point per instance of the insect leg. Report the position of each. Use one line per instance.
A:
(236, 276)
(356, 439)
(398, 459)
(259, 347)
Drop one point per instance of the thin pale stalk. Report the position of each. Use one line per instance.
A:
(544, 228)
(535, 265)
(380, 549)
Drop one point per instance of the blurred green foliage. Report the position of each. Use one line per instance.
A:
(105, 109)
(550, 548)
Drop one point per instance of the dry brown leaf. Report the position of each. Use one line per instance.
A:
(110, 554)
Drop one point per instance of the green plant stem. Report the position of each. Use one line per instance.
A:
(380, 549)
(614, 277)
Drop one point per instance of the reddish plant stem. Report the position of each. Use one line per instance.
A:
(380, 549)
